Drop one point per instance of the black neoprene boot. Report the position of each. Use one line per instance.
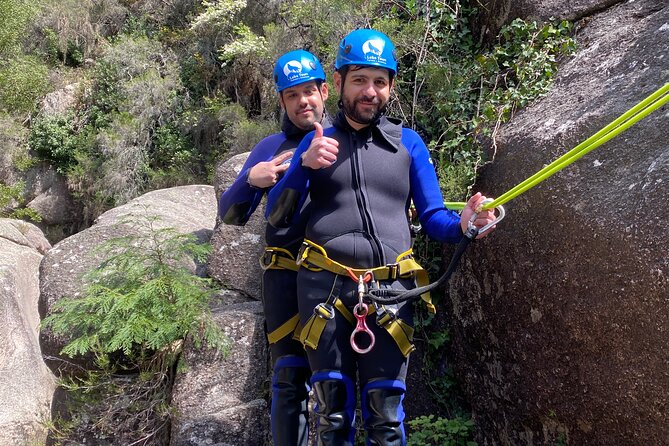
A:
(290, 395)
(383, 416)
(335, 413)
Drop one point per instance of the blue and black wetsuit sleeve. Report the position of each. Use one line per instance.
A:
(438, 222)
(240, 200)
(286, 198)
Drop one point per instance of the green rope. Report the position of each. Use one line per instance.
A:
(622, 123)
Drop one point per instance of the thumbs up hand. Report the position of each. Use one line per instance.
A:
(322, 151)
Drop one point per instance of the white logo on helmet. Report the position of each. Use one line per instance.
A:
(373, 49)
(293, 70)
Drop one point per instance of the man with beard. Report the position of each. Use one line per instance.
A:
(361, 175)
(300, 84)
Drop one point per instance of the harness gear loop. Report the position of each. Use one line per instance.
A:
(360, 312)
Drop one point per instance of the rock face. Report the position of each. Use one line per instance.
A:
(60, 101)
(52, 199)
(561, 316)
(237, 248)
(222, 400)
(496, 13)
(26, 384)
(187, 209)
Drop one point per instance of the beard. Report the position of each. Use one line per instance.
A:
(364, 114)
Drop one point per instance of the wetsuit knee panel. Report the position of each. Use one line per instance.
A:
(383, 413)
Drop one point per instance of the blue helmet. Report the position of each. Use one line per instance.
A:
(367, 47)
(297, 67)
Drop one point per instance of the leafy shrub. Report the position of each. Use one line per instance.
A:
(12, 203)
(141, 300)
(14, 18)
(23, 80)
(54, 139)
(246, 134)
(428, 430)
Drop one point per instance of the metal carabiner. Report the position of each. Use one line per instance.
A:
(360, 313)
(472, 219)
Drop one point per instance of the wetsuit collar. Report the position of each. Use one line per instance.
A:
(385, 128)
(294, 132)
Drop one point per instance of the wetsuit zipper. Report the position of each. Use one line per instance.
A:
(361, 201)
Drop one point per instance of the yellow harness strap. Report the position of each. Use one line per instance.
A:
(297, 332)
(278, 258)
(313, 256)
(312, 331)
(402, 333)
(284, 329)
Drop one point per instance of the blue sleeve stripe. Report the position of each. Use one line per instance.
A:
(438, 222)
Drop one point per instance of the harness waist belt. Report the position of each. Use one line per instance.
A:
(315, 255)
(315, 258)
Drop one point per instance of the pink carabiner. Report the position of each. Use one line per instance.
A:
(360, 313)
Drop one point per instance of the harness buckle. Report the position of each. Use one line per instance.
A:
(385, 315)
(393, 271)
(267, 259)
(302, 253)
(324, 311)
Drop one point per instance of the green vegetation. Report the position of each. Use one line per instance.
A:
(431, 431)
(137, 307)
(167, 92)
(140, 301)
(12, 203)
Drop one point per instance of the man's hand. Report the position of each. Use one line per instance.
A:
(266, 173)
(322, 151)
(483, 217)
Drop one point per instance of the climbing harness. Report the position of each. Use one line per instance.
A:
(315, 258)
(280, 258)
(277, 258)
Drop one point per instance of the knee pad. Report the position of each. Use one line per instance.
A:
(383, 413)
(335, 394)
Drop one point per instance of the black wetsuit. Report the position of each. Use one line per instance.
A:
(358, 215)
(290, 367)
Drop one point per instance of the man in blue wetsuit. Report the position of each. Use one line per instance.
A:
(361, 175)
(300, 83)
